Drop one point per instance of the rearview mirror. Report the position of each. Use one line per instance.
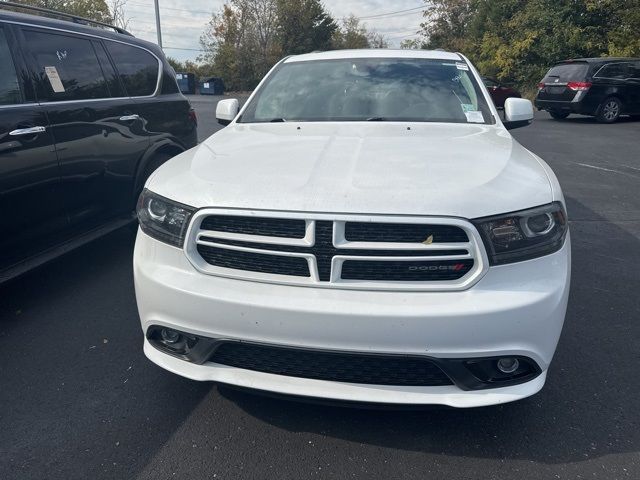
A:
(226, 111)
(518, 112)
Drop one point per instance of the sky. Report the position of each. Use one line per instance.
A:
(183, 21)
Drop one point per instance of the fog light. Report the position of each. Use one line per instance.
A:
(169, 336)
(508, 364)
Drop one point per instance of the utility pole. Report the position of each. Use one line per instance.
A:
(158, 29)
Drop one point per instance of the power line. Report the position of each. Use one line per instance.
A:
(391, 13)
(172, 8)
(186, 49)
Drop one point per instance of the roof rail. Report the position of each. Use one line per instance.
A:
(64, 16)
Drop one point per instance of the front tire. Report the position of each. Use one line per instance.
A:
(609, 111)
(557, 115)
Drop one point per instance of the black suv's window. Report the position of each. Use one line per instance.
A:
(107, 69)
(67, 67)
(138, 69)
(9, 87)
(618, 71)
(567, 72)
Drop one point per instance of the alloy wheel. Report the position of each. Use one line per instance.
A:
(611, 110)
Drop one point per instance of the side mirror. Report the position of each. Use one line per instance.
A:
(226, 111)
(518, 112)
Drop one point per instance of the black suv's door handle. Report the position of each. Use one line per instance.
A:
(27, 131)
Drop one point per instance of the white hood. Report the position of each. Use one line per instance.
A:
(375, 168)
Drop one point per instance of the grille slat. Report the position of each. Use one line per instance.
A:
(332, 366)
(268, 227)
(254, 262)
(403, 233)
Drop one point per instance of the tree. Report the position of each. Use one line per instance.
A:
(351, 34)
(200, 70)
(118, 17)
(92, 9)
(412, 44)
(519, 40)
(377, 40)
(304, 26)
(246, 38)
(240, 42)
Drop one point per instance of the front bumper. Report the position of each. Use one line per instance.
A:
(515, 309)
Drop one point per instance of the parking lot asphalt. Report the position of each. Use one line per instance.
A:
(79, 400)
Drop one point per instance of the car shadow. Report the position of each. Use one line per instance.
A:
(78, 398)
(587, 409)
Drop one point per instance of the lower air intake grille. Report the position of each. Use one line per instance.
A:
(254, 262)
(332, 366)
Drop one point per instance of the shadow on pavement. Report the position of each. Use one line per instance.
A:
(78, 399)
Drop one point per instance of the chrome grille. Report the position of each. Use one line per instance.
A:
(339, 251)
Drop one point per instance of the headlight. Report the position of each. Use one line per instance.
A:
(163, 219)
(523, 235)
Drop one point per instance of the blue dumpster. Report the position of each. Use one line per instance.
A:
(186, 82)
(212, 86)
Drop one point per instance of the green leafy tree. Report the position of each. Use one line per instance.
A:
(304, 26)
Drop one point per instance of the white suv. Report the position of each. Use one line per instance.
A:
(365, 229)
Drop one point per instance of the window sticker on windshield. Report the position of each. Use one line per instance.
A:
(462, 66)
(467, 107)
(474, 116)
(54, 79)
(206, 85)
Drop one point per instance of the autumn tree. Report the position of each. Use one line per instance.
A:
(519, 40)
(240, 42)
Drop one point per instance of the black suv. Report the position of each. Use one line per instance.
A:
(86, 115)
(602, 87)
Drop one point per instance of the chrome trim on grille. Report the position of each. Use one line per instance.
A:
(474, 250)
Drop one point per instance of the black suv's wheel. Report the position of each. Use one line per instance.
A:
(558, 115)
(609, 111)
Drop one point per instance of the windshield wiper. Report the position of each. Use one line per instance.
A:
(377, 119)
(276, 120)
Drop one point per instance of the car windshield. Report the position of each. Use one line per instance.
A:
(369, 89)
